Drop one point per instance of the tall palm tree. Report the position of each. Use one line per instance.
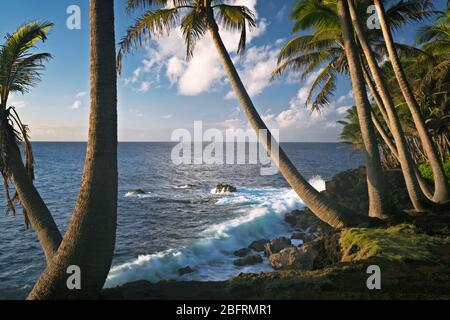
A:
(404, 157)
(196, 18)
(90, 238)
(20, 70)
(324, 49)
(379, 204)
(441, 192)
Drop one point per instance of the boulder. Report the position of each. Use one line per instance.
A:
(242, 252)
(248, 260)
(276, 245)
(349, 189)
(222, 188)
(258, 245)
(309, 256)
(185, 270)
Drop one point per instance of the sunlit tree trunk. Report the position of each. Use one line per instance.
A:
(324, 209)
(404, 157)
(441, 193)
(90, 238)
(379, 204)
(39, 216)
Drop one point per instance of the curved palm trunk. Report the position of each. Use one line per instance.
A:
(323, 208)
(424, 187)
(441, 192)
(38, 214)
(379, 204)
(90, 238)
(404, 157)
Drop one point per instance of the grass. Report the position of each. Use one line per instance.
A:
(397, 243)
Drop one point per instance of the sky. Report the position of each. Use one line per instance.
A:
(159, 91)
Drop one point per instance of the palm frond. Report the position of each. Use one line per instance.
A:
(151, 24)
(18, 68)
(193, 26)
(407, 11)
(235, 18)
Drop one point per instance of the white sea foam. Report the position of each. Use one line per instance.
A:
(261, 217)
(137, 194)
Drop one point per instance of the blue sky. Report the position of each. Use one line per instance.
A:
(159, 91)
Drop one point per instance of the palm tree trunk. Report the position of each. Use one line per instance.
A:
(90, 238)
(38, 214)
(404, 157)
(441, 193)
(379, 204)
(424, 187)
(324, 209)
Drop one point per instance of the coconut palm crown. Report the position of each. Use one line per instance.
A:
(193, 16)
(20, 70)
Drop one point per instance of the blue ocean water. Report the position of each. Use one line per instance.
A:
(177, 221)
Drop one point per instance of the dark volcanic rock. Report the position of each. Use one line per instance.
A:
(258, 245)
(248, 260)
(185, 270)
(221, 188)
(276, 245)
(242, 252)
(349, 189)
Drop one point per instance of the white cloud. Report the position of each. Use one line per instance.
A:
(81, 94)
(204, 72)
(168, 116)
(144, 86)
(80, 97)
(76, 105)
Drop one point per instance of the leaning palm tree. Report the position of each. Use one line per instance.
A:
(324, 49)
(20, 70)
(393, 121)
(198, 17)
(379, 204)
(90, 238)
(441, 192)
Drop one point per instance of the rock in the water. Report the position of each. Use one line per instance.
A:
(185, 270)
(222, 188)
(276, 245)
(242, 252)
(139, 191)
(248, 260)
(258, 245)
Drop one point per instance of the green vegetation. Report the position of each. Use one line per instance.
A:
(398, 243)
(427, 173)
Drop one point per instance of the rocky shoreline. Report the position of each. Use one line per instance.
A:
(318, 262)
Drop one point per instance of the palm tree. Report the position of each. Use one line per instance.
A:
(197, 17)
(441, 192)
(379, 204)
(324, 48)
(90, 238)
(19, 71)
(404, 157)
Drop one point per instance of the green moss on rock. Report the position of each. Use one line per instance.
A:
(398, 243)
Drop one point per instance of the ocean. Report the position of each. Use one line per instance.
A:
(168, 217)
